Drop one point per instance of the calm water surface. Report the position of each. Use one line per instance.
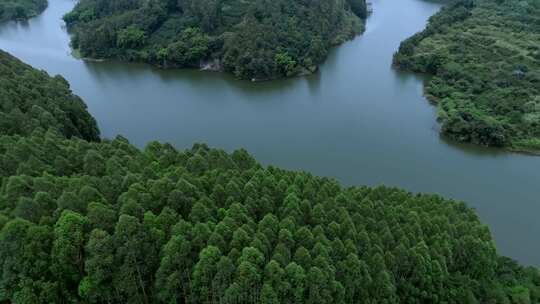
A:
(357, 120)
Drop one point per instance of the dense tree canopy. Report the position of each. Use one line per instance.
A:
(255, 39)
(485, 58)
(31, 99)
(20, 9)
(104, 222)
(107, 223)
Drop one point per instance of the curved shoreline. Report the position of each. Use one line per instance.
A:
(434, 102)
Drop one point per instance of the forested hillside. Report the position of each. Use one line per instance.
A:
(104, 222)
(20, 9)
(107, 223)
(31, 99)
(255, 39)
(485, 59)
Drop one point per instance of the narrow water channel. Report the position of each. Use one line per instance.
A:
(357, 120)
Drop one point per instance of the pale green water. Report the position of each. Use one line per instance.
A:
(357, 120)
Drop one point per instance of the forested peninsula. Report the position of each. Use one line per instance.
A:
(256, 40)
(31, 100)
(89, 220)
(484, 56)
(20, 9)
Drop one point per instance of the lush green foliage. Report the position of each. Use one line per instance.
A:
(485, 58)
(104, 222)
(20, 9)
(31, 99)
(257, 39)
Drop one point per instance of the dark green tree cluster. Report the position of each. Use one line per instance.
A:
(31, 99)
(20, 9)
(256, 39)
(104, 222)
(485, 59)
(87, 222)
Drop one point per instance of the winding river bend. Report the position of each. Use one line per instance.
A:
(358, 120)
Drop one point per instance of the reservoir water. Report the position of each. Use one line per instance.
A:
(357, 120)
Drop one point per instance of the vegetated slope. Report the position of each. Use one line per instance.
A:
(485, 58)
(256, 39)
(107, 223)
(31, 99)
(104, 222)
(20, 9)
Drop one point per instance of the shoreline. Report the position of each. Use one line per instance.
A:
(215, 65)
(434, 102)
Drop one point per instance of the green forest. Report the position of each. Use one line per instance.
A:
(20, 9)
(89, 220)
(30, 99)
(484, 56)
(257, 40)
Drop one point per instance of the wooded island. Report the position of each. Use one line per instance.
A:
(256, 40)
